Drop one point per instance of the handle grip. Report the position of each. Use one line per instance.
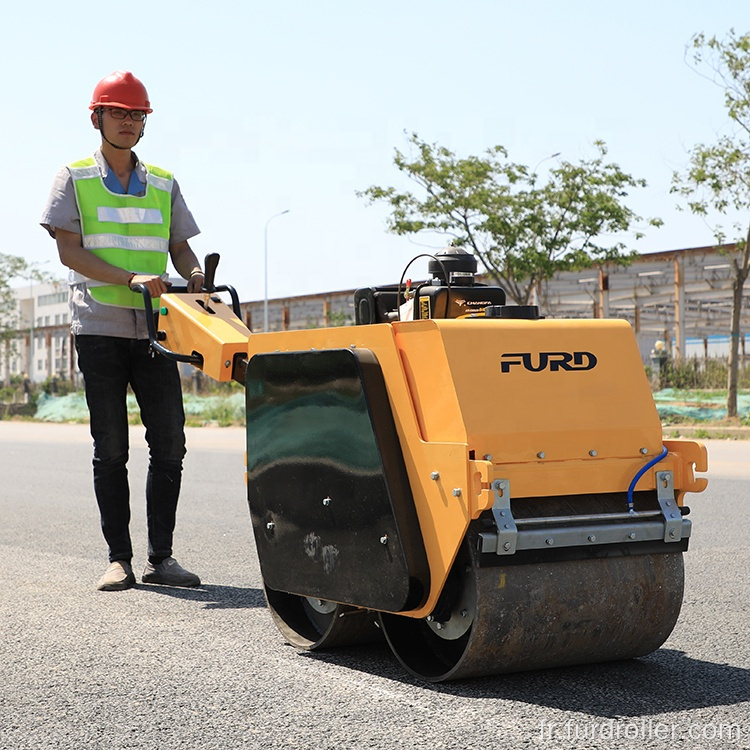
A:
(209, 271)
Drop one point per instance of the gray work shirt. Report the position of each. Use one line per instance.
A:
(87, 316)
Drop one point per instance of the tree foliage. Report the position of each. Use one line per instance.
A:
(11, 267)
(717, 179)
(522, 230)
(728, 66)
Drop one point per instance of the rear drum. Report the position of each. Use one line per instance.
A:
(521, 617)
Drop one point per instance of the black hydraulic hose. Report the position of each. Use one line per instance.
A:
(401, 282)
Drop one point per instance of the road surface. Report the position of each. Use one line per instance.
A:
(155, 667)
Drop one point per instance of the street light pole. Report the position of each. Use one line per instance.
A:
(30, 372)
(33, 270)
(551, 156)
(265, 268)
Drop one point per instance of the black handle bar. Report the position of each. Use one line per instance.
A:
(193, 359)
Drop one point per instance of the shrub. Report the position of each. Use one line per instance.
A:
(693, 373)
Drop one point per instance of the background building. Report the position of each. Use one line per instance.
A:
(42, 347)
(680, 297)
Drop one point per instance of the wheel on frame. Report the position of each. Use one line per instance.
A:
(310, 624)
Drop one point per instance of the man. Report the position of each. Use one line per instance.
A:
(116, 220)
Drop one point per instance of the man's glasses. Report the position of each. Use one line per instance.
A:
(137, 115)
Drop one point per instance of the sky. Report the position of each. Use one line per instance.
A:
(264, 107)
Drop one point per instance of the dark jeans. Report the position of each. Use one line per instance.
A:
(109, 365)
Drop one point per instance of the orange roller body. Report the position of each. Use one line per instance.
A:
(468, 484)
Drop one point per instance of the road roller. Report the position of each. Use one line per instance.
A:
(486, 489)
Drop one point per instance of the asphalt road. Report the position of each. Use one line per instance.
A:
(155, 667)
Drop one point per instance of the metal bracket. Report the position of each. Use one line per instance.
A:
(665, 524)
(507, 532)
(669, 507)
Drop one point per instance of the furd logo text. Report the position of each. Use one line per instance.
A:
(552, 361)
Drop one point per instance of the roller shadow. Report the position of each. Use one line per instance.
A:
(212, 596)
(664, 681)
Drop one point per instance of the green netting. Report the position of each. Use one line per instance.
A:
(72, 408)
(698, 406)
(215, 408)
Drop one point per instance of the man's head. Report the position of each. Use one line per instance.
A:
(119, 108)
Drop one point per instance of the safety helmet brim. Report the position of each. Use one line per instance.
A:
(119, 105)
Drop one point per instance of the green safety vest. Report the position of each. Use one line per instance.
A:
(127, 231)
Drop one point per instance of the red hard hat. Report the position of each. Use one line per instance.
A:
(121, 89)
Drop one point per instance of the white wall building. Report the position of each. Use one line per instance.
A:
(43, 347)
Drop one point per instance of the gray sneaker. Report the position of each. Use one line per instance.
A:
(118, 576)
(169, 573)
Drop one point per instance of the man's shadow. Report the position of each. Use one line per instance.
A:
(213, 596)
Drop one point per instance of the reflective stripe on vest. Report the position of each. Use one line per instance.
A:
(127, 231)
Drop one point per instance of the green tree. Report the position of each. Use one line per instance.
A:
(717, 179)
(14, 267)
(522, 231)
(11, 267)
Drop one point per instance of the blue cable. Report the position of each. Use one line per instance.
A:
(642, 471)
